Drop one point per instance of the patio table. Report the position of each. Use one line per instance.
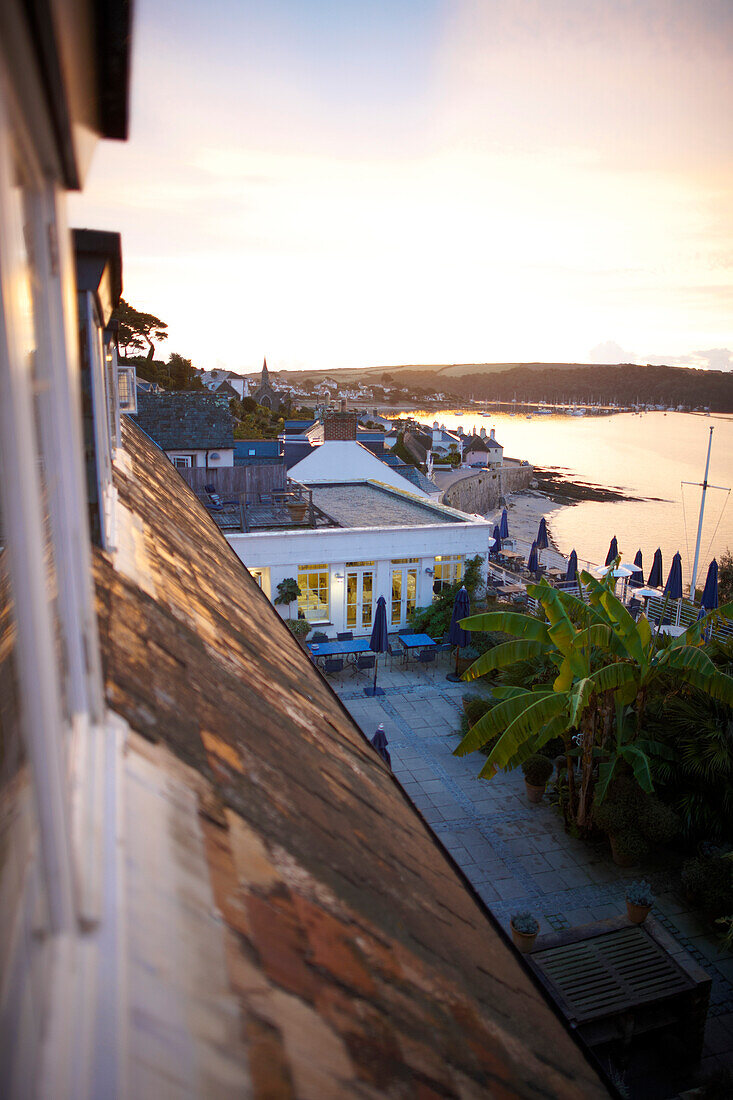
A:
(510, 589)
(339, 649)
(512, 555)
(416, 641)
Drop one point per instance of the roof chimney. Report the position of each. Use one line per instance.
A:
(340, 426)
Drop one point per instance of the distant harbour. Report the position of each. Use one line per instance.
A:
(621, 475)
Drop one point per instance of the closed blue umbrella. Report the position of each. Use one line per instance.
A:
(636, 580)
(654, 580)
(673, 587)
(504, 525)
(572, 570)
(710, 591)
(378, 642)
(612, 551)
(457, 636)
(542, 540)
(532, 559)
(496, 536)
(380, 743)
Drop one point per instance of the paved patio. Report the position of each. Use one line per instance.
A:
(516, 854)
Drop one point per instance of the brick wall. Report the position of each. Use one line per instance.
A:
(340, 426)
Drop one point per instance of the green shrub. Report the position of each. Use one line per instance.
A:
(475, 707)
(299, 627)
(526, 923)
(708, 879)
(658, 822)
(630, 844)
(614, 817)
(537, 770)
(694, 872)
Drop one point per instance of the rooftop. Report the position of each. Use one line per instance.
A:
(176, 421)
(362, 504)
(345, 955)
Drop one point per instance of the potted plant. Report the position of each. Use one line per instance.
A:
(300, 628)
(297, 507)
(618, 818)
(524, 931)
(639, 900)
(537, 770)
(288, 592)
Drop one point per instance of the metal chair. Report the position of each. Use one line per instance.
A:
(345, 636)
(332, 665)
(426, 657)
(363, 663)
(395, 651)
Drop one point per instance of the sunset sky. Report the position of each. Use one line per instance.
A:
(334, 183)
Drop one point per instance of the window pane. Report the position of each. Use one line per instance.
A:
(366, 601)
(396, 596)
(411, 592)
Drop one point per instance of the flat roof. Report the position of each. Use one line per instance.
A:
(363, 504)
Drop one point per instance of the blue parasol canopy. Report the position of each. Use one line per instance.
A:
(612, 551)
(636, 580)
(572, 570)
(532, 559)
(710, 591)
(378, 641)
(380, 743)
(654, 580)
(504, 525)
(461, 610)
(673, 587)
(496, 536)
(542, 540)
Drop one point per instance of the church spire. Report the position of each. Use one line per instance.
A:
(265, 375)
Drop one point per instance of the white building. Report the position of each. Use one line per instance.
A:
(194, 429)
(373, 535)
(385, 542)
(212, 379)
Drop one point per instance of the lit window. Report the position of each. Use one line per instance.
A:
(448, 568)
(313, 598)
(183, 462)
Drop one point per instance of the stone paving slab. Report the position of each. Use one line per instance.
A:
(516, 854)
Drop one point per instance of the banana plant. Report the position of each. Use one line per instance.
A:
(582, 704)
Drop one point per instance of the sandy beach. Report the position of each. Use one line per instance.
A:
(525, 510)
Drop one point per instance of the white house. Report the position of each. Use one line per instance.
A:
(212, 379)
(375, 535)
(383, 541)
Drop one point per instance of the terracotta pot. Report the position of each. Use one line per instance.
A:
(534, 794)
(522, 941)
(637, 913)
(297, 510)
(619, 859)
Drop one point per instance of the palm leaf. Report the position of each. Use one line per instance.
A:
(495, 721)
(614, 676)
(639, 762)
(508, 622)
(525, 726)
(503, 655)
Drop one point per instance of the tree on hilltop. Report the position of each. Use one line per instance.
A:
(138, 331)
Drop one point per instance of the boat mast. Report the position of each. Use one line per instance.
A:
(699, 524)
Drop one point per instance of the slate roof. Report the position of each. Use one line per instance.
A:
(477, 443)
(362, 962)
(179, 421)
(361, 504)
(417, 477)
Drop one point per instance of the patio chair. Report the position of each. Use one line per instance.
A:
(444, 647)
(634, 607)
(426, 657)
(364, 662)
(345, 636)
(333, 665)
(395, 651)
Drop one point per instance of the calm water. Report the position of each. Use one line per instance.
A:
(644, 456)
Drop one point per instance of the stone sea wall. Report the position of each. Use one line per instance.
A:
(480, 492)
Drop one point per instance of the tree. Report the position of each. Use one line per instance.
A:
(138, 330)
(183, 374)
(725, 577)
(606, 665)
(288, 590)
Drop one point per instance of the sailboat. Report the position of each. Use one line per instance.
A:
(705, 486)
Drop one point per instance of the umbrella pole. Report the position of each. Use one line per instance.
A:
(453, 676)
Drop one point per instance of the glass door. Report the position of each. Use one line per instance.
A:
(359, 596)
(404, 594)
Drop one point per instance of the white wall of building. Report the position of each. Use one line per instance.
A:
(199, 458)
(277, 554)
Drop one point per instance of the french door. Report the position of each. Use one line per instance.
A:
(404, 593)
(359, 595)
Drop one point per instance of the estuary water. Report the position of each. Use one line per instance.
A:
(647, 457)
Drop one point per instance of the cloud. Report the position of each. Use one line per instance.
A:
(611, 352)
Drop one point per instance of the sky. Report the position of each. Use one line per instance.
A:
(334, 183)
